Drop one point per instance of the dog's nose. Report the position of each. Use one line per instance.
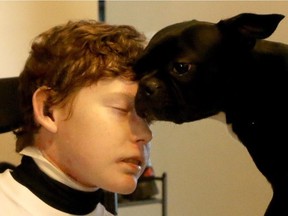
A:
(150, 86)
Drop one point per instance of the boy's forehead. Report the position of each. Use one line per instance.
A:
(111, 88)
(118, 84)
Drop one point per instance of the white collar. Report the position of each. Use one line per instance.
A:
(52, 171)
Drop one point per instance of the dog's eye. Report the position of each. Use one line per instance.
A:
(182, 68)
(183, 72)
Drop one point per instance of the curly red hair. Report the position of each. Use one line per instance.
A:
(68, 57)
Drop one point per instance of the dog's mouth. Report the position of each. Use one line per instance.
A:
(148, 110)
(145, 112)
(162, 110)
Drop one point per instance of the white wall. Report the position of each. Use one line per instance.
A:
(209, 171)
(20, 22)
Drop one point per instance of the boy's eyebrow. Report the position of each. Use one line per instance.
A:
(119, 95)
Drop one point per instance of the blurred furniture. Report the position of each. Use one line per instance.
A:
(10, 116)
(154, 200)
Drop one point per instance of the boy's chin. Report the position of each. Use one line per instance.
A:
(126, 186)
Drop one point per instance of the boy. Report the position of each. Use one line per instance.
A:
(80, 130)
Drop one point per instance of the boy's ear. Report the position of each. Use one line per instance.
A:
(41, 116)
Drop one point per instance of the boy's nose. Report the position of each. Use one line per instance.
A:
(141, 130)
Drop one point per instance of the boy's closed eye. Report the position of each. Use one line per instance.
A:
(121, 103)
(121, 109)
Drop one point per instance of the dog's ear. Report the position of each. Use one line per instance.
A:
(253, 26)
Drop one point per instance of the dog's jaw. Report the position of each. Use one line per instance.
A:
(166, 109)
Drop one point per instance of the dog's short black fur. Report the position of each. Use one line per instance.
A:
(193, 70)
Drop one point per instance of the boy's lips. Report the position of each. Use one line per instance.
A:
(135, 163)
(134, 160)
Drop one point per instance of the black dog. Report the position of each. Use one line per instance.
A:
(192, 70)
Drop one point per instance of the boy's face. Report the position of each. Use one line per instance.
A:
(104, 143)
